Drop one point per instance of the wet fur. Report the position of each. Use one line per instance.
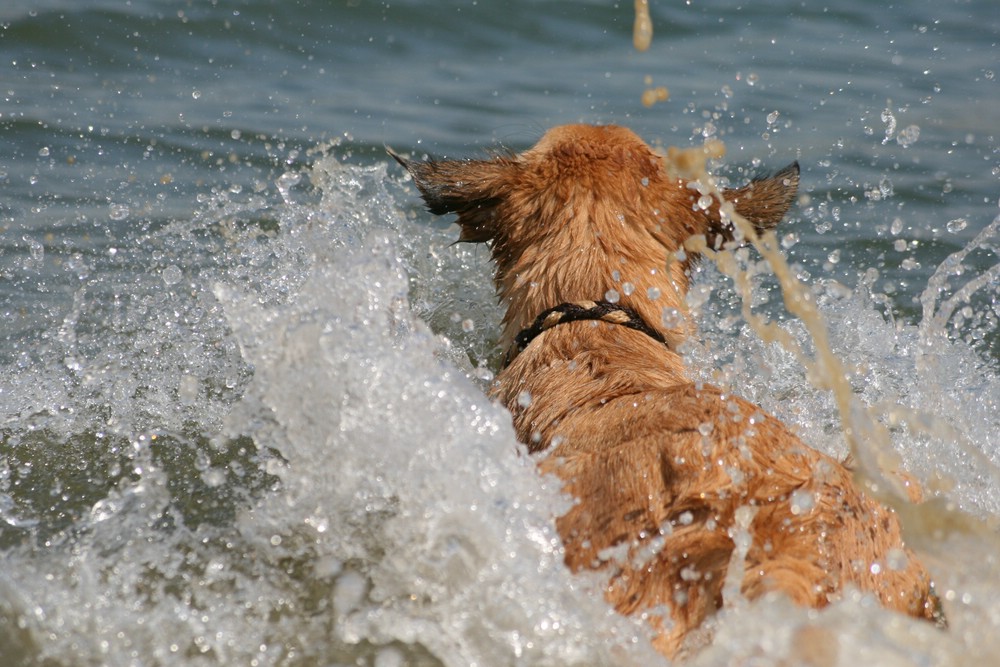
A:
(660, 465)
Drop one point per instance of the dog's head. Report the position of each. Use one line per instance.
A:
(588, 211)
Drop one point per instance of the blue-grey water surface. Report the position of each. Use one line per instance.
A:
(241, 369)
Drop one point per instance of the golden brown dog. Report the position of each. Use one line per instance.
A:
(669, 475)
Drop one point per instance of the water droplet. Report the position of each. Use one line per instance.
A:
(704, 202)
(885, 188)
(897, 226)
(957, 225)
(286, 182)
(908, 135)
(653, 293)
(171, 275)
(628, 288)
(772, 117)
(104, 509)
(671, 317)
(890, 124)
(43, 152)
(196, 94)
(37, 251)
(612, 296)
(897, 560)
(468, 326)
(118, 211)
(524, 398)
(802, 502)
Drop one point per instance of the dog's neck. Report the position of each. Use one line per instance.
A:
(598, 311)
(593, 261)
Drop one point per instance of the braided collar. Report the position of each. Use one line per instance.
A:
(603, 311)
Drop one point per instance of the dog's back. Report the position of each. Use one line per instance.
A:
(671, 477)
(663, 468)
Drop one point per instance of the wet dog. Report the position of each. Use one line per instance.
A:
(684, 494)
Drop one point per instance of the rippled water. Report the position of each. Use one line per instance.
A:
(241, 371)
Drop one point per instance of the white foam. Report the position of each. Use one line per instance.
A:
(394, 518)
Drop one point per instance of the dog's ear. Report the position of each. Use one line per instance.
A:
(764, 201)
(471, 188)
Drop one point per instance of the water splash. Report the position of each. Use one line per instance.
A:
(938, 311)
(890, 408)
(274, 447)
(350, 499)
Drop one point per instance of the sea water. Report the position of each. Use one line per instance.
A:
(243, 373)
